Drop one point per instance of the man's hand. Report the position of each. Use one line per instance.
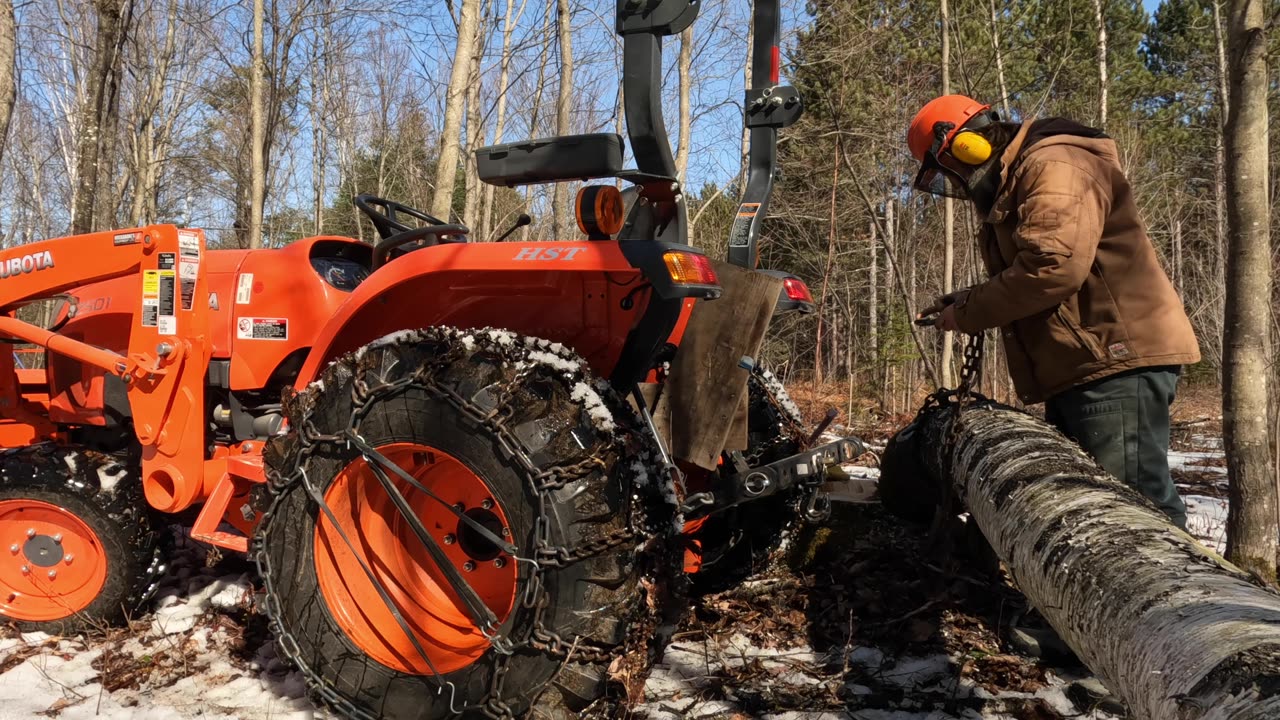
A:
(945, 309)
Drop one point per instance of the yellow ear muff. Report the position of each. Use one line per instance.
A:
(970, 148)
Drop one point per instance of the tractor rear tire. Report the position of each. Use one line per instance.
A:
(740, 542)
(497, 410)
(78, 544)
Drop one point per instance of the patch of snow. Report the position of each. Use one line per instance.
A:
(70, 460)
(555, 361)
(504, 338)
(1187, 460)
(594, 404)
(1207, 521)
(110, 475)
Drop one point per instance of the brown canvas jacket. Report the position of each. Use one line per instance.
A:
(1075, 282)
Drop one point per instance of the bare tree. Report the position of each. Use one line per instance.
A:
(257, 129)
(684, 64)
(99, 115)
(1253, 533)
(509, 22)
(1100, 23)
(949, 207)
(561, 224)
(455, 101)
(8, 70)
(475, 122)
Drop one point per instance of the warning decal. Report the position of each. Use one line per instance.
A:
(124, 239)
(251, 328)
(166, 306)
(244, 288)
(740, 231)
(189, 266)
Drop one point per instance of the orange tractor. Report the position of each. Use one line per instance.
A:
(447, 520)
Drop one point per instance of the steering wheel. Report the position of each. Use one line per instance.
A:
(394, 233)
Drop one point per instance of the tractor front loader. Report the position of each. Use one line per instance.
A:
(447, 458)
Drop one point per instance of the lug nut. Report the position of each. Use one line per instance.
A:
(53, 574)
(26, 569)
(487, 504)
(14, 548)
(469, 565)
(459, 507)
(506, 532)
(69, 557)
(31, 532)
(449, 539)
(58, 538)
(499, 562)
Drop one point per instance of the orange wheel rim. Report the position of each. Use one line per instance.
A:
(382, 540)
(53, 565)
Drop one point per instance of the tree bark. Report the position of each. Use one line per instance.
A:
(1173, 629)
(257, 128)
(1100, 22)
(1252, 531)
(500, 113)
(562, 223)
(999, 53)
(475, 131)
(8, 70)
(454, 104)
(684, 65)
(948, 208)
(98, 113)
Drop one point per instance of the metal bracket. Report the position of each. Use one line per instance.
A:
(775, 107)
(660, 17)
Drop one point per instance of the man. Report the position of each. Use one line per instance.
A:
(1091, 324)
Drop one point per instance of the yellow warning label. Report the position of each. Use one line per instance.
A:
(150, 283)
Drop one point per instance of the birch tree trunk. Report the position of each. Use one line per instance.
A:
(8, 70)
(948, 207)
(1101, 24)
(686, 122)
(1252, 531)
(257, 128)
(454, 104)
(1220, 163)
(500, 113)
(562, 223)
(873, 304)
(1174, 630)
(999, 53)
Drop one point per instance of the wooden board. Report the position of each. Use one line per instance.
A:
(706, 394)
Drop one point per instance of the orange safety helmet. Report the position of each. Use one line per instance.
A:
(931, 137)
(954, 109)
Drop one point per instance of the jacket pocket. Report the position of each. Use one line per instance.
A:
(1086, 340)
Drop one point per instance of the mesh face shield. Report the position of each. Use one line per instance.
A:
(934, 176)
(937, 175)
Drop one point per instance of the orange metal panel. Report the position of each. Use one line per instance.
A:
(569, 292)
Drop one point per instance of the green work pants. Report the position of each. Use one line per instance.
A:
(1123, 422)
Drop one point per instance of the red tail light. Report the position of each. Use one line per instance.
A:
(688, 268)
(797, 290)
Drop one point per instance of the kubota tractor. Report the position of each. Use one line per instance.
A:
(442, 455)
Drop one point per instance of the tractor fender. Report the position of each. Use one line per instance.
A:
(568, 292)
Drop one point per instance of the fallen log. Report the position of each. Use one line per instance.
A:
(1172, 628)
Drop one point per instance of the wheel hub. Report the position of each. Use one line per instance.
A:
(55, 565)
(383, 544)
(43, 550)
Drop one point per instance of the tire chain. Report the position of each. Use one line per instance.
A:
(650, 516)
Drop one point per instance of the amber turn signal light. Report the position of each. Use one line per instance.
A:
(686, 268)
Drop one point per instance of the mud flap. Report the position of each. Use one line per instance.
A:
(706, 393)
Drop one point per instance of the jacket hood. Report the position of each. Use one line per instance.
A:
(1062, 131)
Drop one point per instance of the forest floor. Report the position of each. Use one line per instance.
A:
(876, 624)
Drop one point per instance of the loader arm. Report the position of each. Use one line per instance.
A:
(168, 349)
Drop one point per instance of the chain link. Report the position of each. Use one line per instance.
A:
(645, 528)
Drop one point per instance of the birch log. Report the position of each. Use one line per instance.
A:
(1171, 627)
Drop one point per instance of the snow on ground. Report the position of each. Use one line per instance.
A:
(188, 659)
